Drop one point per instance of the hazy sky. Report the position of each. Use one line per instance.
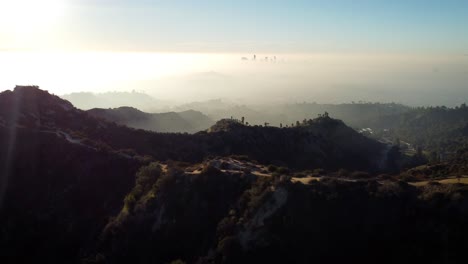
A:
(328, 50)
(236, 26)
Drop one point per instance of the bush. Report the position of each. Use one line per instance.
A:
(343, 173)
(300, 175)
(407, 177)
(319, 171)
(283, 170)
(178, 261)
(360, 175)
(272, 168)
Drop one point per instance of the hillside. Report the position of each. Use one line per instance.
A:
(243, 218)
(188, 121)
(330, 144)
(56, 194)
(356, 115)
(76, 188)
(320, 143)
(437, 129)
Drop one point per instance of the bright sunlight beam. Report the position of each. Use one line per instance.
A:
(23, 18)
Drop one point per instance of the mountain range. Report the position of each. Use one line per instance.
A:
(187, 121)
(83, 187)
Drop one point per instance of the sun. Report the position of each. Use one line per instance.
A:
(28, 17)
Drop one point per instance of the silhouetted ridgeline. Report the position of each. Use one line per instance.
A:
(328, 143)
(87, 100)
(80, 189)
(188, 121)
(356, 115)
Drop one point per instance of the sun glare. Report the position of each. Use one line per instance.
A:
(23, 18)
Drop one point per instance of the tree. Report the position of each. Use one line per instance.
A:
(393, 158)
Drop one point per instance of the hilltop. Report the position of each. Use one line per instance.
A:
(322, 142)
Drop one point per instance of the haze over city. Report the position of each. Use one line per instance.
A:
(181, 51)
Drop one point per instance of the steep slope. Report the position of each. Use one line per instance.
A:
(215, 215)
(57, 189)
(187, 121)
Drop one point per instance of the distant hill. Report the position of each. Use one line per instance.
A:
(357, 115)
(188, 121)
(88, 100)
(439, 129)
(325, 142)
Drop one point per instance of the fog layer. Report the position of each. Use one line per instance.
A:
(247, 78)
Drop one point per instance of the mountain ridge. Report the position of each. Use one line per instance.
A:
(189, 121)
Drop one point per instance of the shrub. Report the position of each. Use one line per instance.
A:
(283, 170)
(319, 171)
(343, 173)
(360, 175)
(300, 175)
(272, 168)
(407, 177)
(178, 261)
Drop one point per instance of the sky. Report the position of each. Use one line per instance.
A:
(236, 26)
(159, 46)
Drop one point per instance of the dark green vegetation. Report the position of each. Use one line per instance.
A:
(220, 217)
(436, 129)
(79, 189)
